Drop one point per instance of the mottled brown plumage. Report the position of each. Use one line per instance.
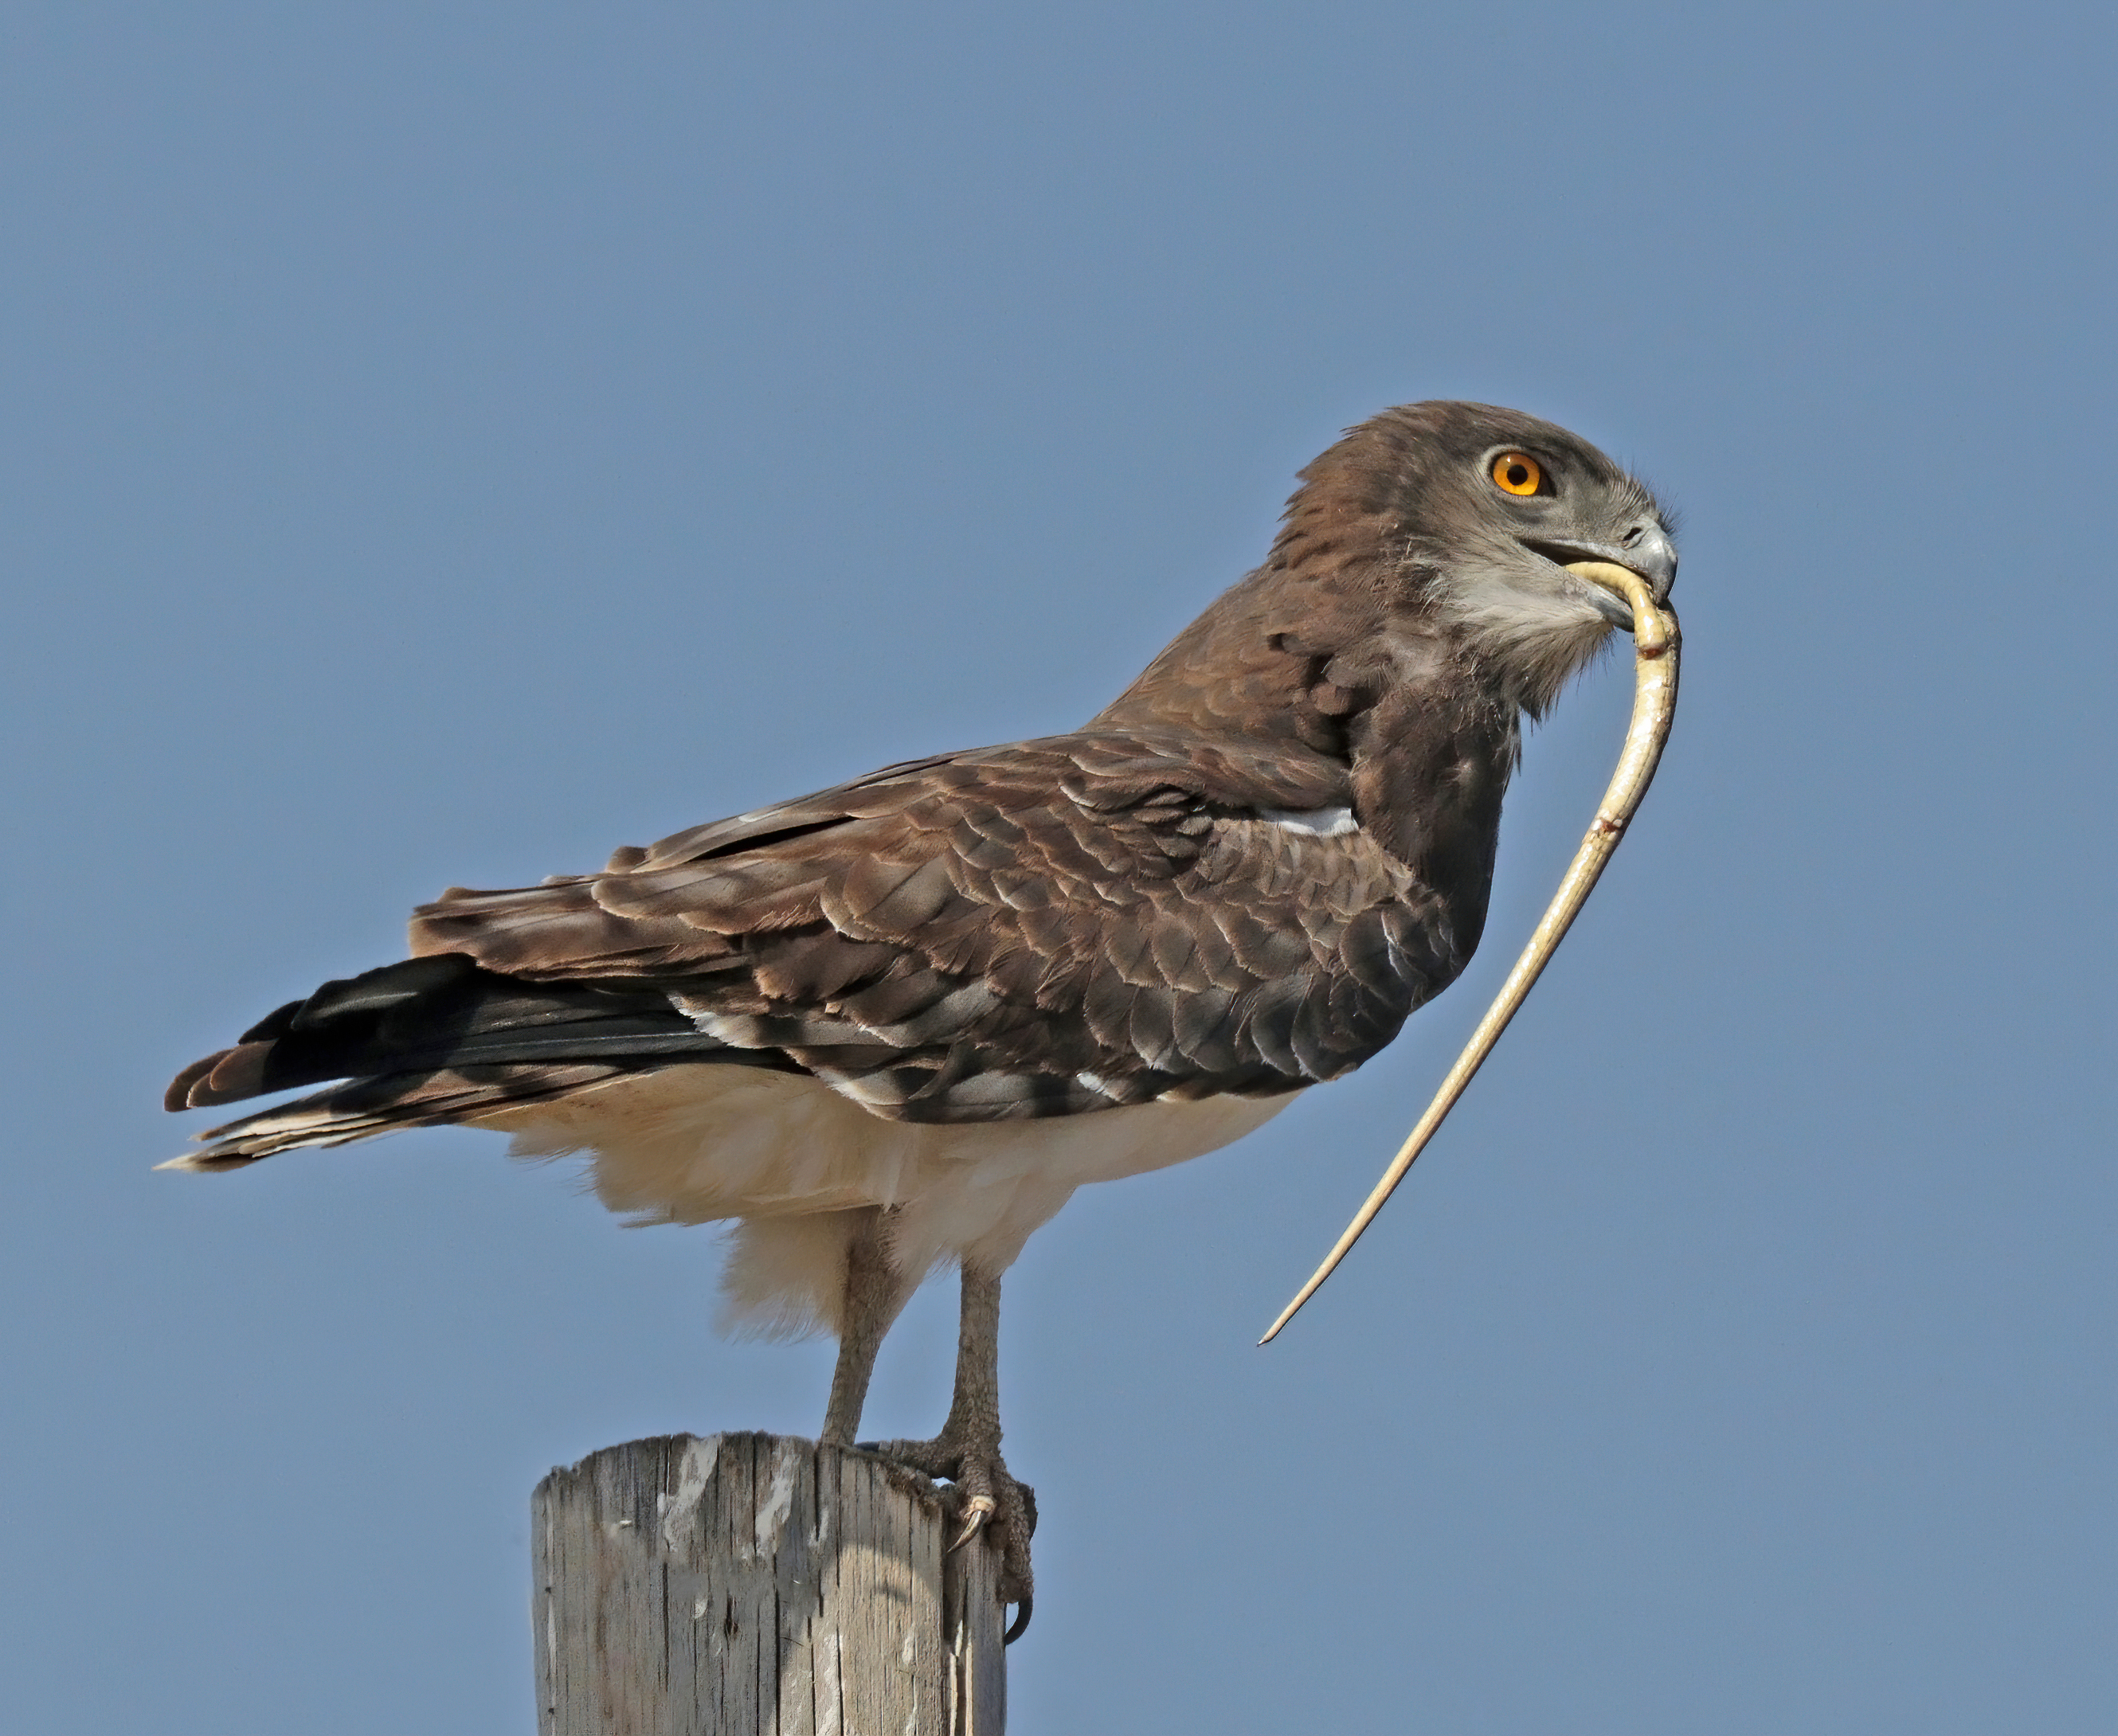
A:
(1234, 882)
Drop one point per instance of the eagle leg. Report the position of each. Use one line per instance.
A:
(875, 1295)
(967, 1451)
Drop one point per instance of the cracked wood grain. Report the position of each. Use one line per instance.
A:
(754, 1585)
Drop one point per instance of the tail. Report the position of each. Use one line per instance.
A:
(427, 1040)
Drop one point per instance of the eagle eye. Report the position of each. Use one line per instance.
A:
(1517, 472)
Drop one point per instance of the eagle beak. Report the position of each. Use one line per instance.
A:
(1630, 597)
(1608, 601)
(1654, 704)
(1645, 549)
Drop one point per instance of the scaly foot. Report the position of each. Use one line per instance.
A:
(981, 1496)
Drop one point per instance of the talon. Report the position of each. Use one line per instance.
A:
(977, 1511)
(985, 1497)
(1019, 1625)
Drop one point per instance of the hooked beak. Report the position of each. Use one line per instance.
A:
(1645, 549)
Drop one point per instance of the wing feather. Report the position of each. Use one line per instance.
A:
(1038, 929)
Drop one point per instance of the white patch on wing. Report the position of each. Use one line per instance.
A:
(1316, 822)
(698, 1143)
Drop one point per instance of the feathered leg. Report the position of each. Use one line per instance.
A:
(875, 1295)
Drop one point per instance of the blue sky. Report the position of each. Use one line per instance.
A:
(446, 440)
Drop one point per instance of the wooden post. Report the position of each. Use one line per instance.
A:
(753, 1584)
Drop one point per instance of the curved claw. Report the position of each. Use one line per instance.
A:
(987, 1498)
(977, 1511)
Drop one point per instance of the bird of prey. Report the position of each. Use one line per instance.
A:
(891, 1027)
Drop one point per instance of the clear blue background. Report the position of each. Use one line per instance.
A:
(444, 440)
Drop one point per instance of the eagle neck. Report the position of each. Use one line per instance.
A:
(1345, 663)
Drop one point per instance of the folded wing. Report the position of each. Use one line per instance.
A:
(1047, 928)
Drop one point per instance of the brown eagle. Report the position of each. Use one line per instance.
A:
(893, 1026)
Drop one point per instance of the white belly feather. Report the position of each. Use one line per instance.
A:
(791, 1158)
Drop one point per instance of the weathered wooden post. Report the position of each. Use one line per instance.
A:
(754, 1585)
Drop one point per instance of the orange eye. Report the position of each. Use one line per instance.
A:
(1518, 472)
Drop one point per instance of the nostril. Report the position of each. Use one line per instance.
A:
(1632, 537)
